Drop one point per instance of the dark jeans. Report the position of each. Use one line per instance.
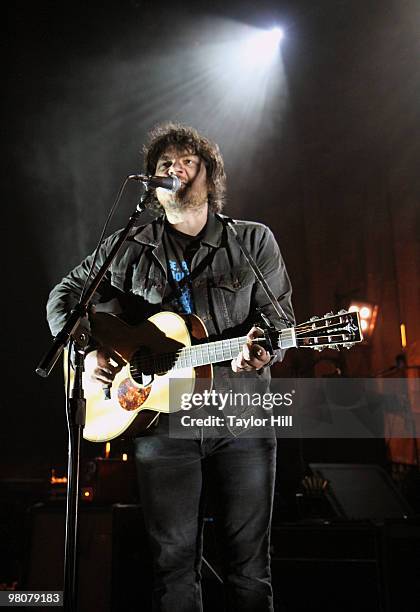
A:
(173, 475)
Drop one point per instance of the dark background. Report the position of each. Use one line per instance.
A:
(329, 160)
(326, 152)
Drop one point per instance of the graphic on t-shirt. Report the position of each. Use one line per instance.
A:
(178, 272)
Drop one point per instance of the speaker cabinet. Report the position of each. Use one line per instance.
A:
(114, 569)
(326, 567)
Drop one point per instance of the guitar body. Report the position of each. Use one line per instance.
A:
(138, 393)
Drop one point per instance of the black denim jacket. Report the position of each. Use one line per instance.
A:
(224, 289)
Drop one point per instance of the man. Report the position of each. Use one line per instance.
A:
(187, 261)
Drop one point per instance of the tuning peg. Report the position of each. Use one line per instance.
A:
(314, 319)
(329, 314)
(342, 312)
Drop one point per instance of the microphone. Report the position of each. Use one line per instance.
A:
(170, 183)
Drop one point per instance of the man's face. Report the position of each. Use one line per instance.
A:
(191, 171)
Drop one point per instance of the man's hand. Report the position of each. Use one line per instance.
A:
(101, 366)
(252, 356)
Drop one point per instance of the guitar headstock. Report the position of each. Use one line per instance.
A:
(330, 331)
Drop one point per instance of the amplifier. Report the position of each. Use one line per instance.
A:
(114, 568)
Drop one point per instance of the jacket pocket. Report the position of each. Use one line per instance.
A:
(232, 296)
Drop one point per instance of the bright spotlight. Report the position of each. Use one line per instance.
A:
(243, 73)
(277, 35)
(261, 48)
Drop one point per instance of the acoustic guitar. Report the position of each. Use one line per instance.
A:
(169, 355)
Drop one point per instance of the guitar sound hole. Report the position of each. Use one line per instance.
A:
(142, 366)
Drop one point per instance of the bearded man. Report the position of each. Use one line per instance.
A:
(186, 261)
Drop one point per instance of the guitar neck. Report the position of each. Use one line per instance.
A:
(224, 350)
(331, 331)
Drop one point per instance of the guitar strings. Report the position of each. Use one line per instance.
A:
(180, 358)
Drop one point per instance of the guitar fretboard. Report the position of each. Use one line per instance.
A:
(215, 352)
(209, 352)
(206, 353)
(193, 356)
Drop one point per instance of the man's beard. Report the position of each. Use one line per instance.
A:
(187, 199)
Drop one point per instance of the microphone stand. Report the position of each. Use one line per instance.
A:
(76, 407)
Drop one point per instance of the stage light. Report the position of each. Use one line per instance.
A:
(368, 313)
(403, 336)
(260, 49)
(87, 494)
(277, 35)
(268, 42)
(365, 312)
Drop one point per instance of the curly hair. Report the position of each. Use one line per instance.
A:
(187, 138)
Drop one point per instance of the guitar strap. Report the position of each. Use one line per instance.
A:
(278, 309)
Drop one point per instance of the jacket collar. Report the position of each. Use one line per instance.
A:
(151, 234)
